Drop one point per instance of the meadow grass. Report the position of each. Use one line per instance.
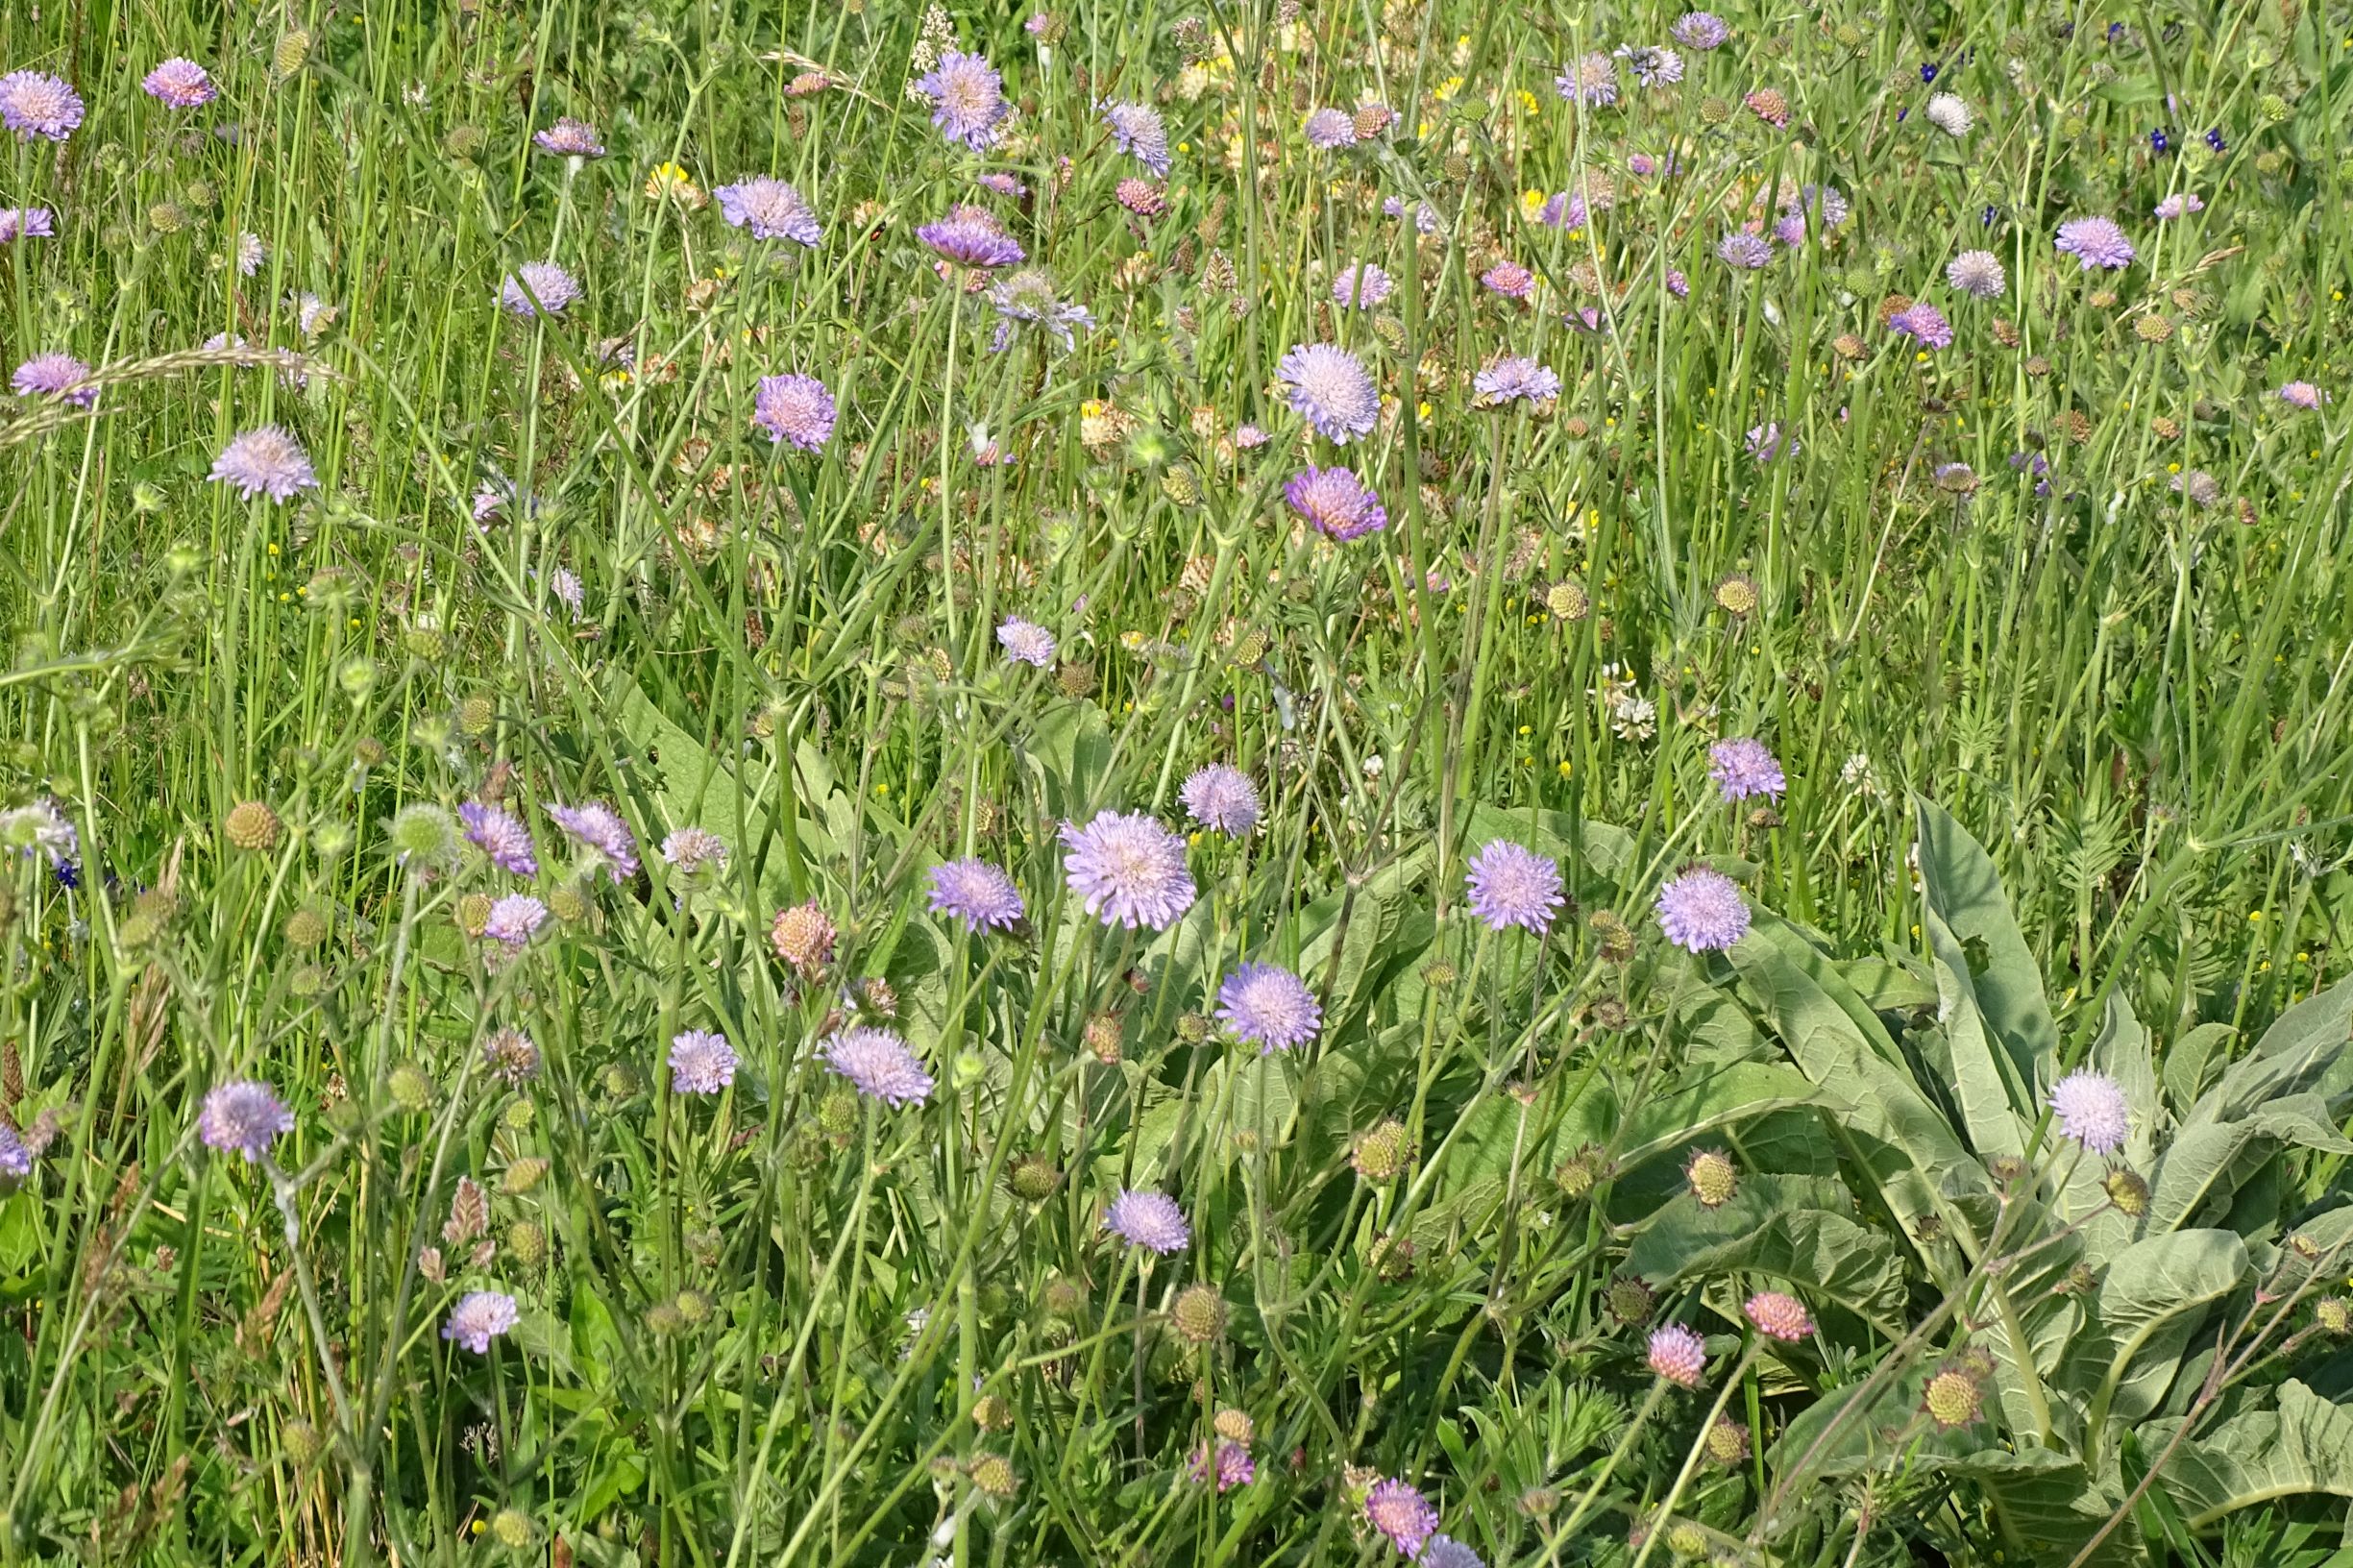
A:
(2035, 608)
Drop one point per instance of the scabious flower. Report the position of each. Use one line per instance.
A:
(967, 99)
(180, 84)
(796, 410)
(264, 461)
(243, 1116)
(1510, 280)
(1362, 286)
(1141, 196)
(1025, 641)
(700, 1062)
(25, 222)
(1147, 1219)
(1702, 910)
(976, 893)
(1335, 501)
(1743, 767)
(692, 849)
(1515, 377)
(1269, 1007)
(1028, 298)
(1978, 274)
(1654, 65)
(1766, 442)
(1128, 870)
(771, 208)
(2091, 1111)
(1950, 112)
(1678, 1355)
(538, 287)
(1138, 130)
(1512, 885)
(55, 376)
(250, 254)
(2181, 204)
(1329, 129)
(1221, 800)
(495, 831)
(1700, 29)
(2302, 394)
(1231, 1464)
(35, 104)
(1402, 1514)
(1564, 209)
(513, 920)
(877, 1063)
(1445, 1551)
(569, 137)
(479, 1317)
(599, 829)
(972, 236)
(1925, 324)
(1426, 218)
(1593, 80)
(1744, 251)
(1331, 390)
(15, 1160)
(1778, 1315)
(2094, 242)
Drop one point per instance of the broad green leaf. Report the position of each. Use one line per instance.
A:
(1070, 750)
(1985, 1085)
(2190, 1063)
(2046, 1507)
(2304, 1446)
(1707, 1100)
(2149, 1305)
(1962, 888)
(1776, 1225)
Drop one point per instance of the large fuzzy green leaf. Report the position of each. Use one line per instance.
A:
(1984, 1079)
(2151, 1302)
(1963, 890)
(2303, 1446)
(1779, 1226)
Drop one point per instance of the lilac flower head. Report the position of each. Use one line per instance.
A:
(1512, 885)
(1515, 377)
(243, 1116)
(1978, 274)
(1221, 800)
(689, 850)
(1329, 129)
(1654, 65)
(479, 1317)
(1925, 324)
(878, 1065)
(1592, 81)
(1138, 130)
(1331, 390)
(180, 84)
(972, 236)
(1743, 768)
(569, 137)
(2180, 205)
(1766, 442)
(251, 253)
(771, 208)
(1678, 1355)
(2095, 242)
(1564, 209)
(1147, 1219)
(1402, 1514)
(976, 893)
(25, 222)
(1426, 218)
(264, 461)
(599, 829)
(55, 376)
(513, 920)
(545, 283)
(1269, 1007)
(1335, 501)
(1779, 1315)
(1510, 280)
(15, 1160)
(1027, 298)
(1743, 251)
(1700, 29)
(1231, 1464)
(1128, 870)
(2302, 394)
(495, 831)
(1702, 910)
(35, 104)
(2091, 1111)
(700, 1062)
(967, 99)
(1445, 1551)
(796, 410)
(1362, 286)
(1025, 641)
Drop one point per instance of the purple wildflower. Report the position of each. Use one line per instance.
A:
(495, 833)
(1978, 274)
(976, 893)
(35, 104)
(1002, 182)
(796, 410)
(700, 1062)
(1363, 286)
(1231, 1464)
(1743, 251)
(1138, 130)
(599, 828)
(1592, 81)
(690, 849)
(1335, 501)
(2302, 394)
(15, 1160)
(1700, 29)
(1742, 769)
(2180, 205)
(1515, 377)
(536, 287)
(1678, 1355)
(569, 137)
(1510, 280)
(1269, 1007)
(1512, 885)
(180, 84)
(1779, 1315)
(1221, 800)
(513, 920)
(1402, 1514)
(25, 222)
(1027, 298)
(55, 376)
(1702, 910)
(1654, 65)
(264, 461)
(972, 236)
(1147, 1219)
(771, 208)
(243, 1116)
(1329, 129)
(1925, 324)
(2091, 1110)
(1331, 390)
(967, 99)
(479, 1317)
(1564, 209)
(511, 1057)
(1445, 1551)
(1025, 641)
(2094, 242)
(878, 1065)
(1766, 442)
(1128, 870)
